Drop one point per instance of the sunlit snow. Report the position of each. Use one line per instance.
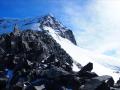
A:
(102, 64)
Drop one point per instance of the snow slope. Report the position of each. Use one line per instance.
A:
(102, 64)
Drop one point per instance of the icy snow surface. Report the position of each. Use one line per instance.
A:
(102, 64)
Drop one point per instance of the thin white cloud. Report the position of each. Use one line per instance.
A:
(96, 24)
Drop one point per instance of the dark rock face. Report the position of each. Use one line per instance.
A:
(69, 35)
(99, 83)
(31, 55)
(32, 46)
(95, 85)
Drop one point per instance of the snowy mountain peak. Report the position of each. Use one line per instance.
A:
(50, 21)
(37, 23)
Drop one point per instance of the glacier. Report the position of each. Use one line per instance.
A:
(103, 65)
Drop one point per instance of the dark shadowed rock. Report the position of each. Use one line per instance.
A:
(32, 55)
(54, 72)
(17, 87)
(87, 67)
(99, 83)
(95, 84)
(107, 79)
(3, 83)
(88, 74)
(69, 35)
(30, 88)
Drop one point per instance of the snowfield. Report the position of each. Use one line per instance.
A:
(102, 64)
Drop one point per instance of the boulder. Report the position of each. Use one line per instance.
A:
(107, 79)
(53, 72)
(88, 75)
(98, 83)
(94, 84)
(87, 67)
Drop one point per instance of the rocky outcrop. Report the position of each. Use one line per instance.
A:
(32, 60)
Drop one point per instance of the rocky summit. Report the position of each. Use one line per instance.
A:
(33, 60)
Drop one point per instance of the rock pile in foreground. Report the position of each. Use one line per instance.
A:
(32, 60)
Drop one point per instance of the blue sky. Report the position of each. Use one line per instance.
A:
(95, 23)
(27, 8)
(30, 8)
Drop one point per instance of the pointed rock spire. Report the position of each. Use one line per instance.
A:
(16, 30)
